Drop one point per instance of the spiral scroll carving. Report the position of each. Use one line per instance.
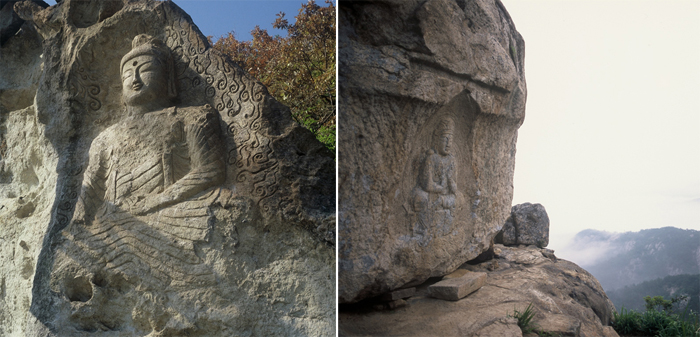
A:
(84, 87)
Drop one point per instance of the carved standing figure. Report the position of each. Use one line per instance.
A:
(436, 190)
(151, 178)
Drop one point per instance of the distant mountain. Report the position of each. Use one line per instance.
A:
(623, 259)
(632, 297)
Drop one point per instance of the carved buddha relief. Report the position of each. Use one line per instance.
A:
(435, 193)
(150, 179)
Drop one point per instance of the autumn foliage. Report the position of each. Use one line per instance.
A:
(298, 69)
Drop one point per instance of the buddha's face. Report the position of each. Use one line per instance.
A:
(445, 144)
(144, 81)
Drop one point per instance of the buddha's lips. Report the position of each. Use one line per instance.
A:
(137, 86)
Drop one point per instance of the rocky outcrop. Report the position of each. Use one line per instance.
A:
(20, 75)
(149, 186)
(566, 301)
(431, 96)
(528, 224)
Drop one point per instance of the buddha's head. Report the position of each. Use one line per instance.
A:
(148, 76)
(444, 136)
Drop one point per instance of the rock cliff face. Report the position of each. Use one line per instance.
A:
(200, 210)
(565, 299)
(431, 96)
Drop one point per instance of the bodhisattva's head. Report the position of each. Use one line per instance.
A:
(148, 76)
(444, 136)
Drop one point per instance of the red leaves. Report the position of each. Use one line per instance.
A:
(299, 69)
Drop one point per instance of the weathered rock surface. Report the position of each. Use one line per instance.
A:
(431, 96)
(162, 194)
(566, 300)
(20, 75)
(528, 224)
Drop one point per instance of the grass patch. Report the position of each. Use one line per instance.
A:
(525, 319)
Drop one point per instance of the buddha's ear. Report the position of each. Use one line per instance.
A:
(172, 89)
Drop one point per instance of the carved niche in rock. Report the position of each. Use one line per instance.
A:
(435, 193)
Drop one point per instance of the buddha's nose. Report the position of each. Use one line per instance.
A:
(136, 83)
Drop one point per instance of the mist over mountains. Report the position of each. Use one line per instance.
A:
(622, 259)
(652, 262)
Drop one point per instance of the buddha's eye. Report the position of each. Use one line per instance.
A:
(146, 67)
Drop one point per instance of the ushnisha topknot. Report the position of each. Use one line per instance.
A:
(446, 126)
(144, 44)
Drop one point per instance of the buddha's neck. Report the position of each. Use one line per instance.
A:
(143, 109)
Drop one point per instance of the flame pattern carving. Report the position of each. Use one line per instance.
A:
(237, 97)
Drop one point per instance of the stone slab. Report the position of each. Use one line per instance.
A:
(457, 288)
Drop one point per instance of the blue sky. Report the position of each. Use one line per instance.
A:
(218, 17)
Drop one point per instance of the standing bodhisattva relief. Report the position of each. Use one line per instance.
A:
(434, 196)
(151, 178)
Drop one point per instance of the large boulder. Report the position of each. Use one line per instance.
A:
(199, 209)
(432, 94)
(528, 224)
(564, 298)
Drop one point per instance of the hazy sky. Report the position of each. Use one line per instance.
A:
(611, 139)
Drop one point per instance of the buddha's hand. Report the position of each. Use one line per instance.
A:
(135, 205)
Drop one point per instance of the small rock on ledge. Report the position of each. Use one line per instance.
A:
(528, 224)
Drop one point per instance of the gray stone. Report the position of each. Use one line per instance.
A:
(528, 224)
(453, 289)
(431, 96)
(398, 294)
(149, 186)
